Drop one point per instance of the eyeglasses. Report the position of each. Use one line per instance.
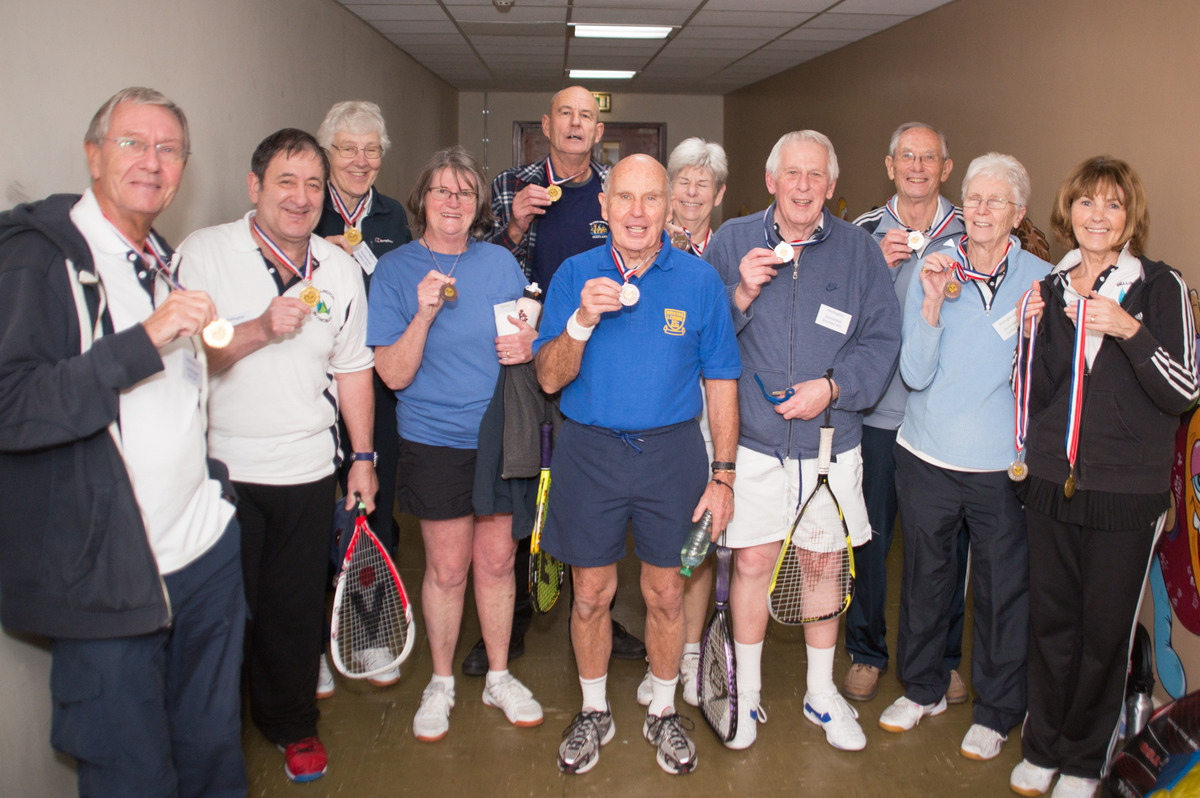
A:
(373, 151)
(777, 398)
(995, 203)
(171, 153)
(928, 158)
(444, 195)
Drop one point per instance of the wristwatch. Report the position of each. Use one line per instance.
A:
(372, 456)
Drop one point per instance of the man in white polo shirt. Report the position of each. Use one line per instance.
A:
(116, 541)
(297, 357)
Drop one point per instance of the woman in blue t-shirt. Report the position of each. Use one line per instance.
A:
(432, 323)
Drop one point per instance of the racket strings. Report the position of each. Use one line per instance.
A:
(814, 576)
(717, 680)
(545, 581)
(372, 620)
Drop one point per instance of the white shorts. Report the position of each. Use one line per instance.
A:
(767, 495)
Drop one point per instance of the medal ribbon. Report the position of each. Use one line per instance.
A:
(283, 258)
(934, 230)
(963, 270)
(556, 181)
(1077, 364)
(799, 242)
(360, 210)
(1024, 376)
(697, 246)
(152, 253)
(620, 263)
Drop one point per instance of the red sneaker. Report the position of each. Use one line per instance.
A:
(305, 760)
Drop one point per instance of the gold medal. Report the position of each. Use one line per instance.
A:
(784, 251)
(1069, 487)
(681, 241)
(953, 289)
(1017, 471)
(449, 292)
(555, 193)
(310, 296)
(218, 333)
(353, 237)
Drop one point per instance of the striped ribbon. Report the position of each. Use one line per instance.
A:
(935, 229)
(153, 251)
(283, 258)
(797, 243)
(360, 210)
(963, 270)
(698, 247)
(555, 181)
(1077, 367)
(1024, 376)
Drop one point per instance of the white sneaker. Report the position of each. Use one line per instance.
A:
(1030, 780)
(750, 714)
(325, 683)
(1075, 787)
(905, 714)
(839, 719)
(689, 667)
(514, 699)
(432, 720)
(645, 691)
(982, 743)
(371, 659)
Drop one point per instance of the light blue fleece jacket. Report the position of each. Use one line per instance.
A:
(960, 410)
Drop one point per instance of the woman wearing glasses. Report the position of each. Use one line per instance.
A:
(367, 225)
(1100, 455)
(953, 452)
(433, 327)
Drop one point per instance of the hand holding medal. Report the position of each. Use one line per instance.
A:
(218, 333)
(938, 280)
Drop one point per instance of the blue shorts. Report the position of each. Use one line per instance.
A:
(599, 482)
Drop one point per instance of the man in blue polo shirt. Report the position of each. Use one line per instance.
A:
(628, 330)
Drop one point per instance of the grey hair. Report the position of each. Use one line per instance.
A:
(354, 116)
(98, 129)
(699, 154)
(1000, 167)
(797, 136)
(907, 126)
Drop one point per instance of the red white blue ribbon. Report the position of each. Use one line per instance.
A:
(963, 270)
(797, 243)
(152, 252)
(697, 246)
(1024, 376)
(554, 180)
(360, 210)
(935, 229)
(283, 258)
(626, 273)
(1078, 362)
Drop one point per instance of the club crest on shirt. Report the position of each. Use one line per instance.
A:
(675, 320)
(598, 229)
(324, 309)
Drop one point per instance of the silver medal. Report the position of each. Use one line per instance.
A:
(916, 240)
(630, 295)
(784, 251)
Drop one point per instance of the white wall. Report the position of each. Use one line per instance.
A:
(684, 114)
(240, 70)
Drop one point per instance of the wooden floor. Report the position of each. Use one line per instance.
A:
(372, 751)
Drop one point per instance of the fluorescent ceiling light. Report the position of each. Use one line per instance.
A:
(622, 31)
(602, 74)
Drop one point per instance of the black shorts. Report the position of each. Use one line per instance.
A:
(435, 482)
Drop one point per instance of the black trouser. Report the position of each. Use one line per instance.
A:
(1084, 589)
(285, 551)
(934, 503)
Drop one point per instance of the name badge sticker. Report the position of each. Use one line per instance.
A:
(1006, 326)
(191, 368)
(365, 257)
(834, 319)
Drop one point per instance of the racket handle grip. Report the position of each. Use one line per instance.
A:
(547, 429)
(825, 452)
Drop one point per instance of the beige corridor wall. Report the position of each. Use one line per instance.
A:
(684, 114)
(1049, 81)
(240, 69)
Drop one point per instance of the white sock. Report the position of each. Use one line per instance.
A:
(691, 648)
(446, 681)
(495, 676)
(820, 670)
(662, 699)
(595, 693)
(749, 666)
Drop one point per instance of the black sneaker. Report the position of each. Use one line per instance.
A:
(580, 749)
(669, 734)
(625, 645)
(476, 661)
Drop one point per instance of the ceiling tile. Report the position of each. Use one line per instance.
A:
(864, 22)
(909, 8)
(779, 21)
(629, 16)
(517, 14)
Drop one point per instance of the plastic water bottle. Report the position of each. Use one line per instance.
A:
(695, 548)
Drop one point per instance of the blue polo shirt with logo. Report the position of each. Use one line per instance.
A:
(641, 368)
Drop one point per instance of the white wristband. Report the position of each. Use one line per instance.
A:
(577, 330)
